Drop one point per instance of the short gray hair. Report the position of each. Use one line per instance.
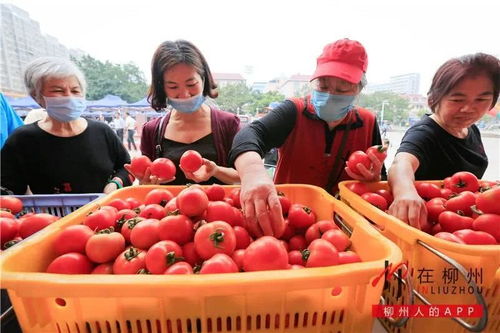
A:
(362, 83)
(50, 67)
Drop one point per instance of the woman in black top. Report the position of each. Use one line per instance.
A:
(447, 141)
(62, 153)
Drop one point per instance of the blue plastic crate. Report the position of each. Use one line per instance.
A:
(56, 204)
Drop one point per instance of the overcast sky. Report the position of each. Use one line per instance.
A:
(276, 37)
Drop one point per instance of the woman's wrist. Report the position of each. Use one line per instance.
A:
(117, 181)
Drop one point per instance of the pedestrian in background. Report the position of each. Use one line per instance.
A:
(118, 124)
(130, 129)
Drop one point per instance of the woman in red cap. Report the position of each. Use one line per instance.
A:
(315, 135)
(447, 141)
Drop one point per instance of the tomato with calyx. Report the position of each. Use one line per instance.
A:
(358, 157)
(266, 253)
(214, 237)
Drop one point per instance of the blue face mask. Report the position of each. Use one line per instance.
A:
(331, 107)
(187, 105)
(65, 109)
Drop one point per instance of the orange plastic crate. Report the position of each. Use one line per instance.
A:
(483, 261)
(270, 301)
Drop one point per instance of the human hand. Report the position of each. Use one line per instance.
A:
(260, 204)
(110, 187)
(367, 175)
(204, 173)
(410, 208)
(148, 179)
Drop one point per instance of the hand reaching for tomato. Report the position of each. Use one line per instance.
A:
(147, 178)
(366, 166)
(410, 208)
(207, 170)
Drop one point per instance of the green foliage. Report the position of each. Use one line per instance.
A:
(238, 96)
(103, 78)
(396, 108)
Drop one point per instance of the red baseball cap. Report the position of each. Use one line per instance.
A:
(345, 59)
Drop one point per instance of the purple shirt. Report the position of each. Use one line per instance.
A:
(225, 125)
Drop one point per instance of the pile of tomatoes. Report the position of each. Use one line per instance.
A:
(201, 230)
(463, 209)
(13, 229)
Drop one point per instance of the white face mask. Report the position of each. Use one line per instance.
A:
(65, 109)
(187, 105)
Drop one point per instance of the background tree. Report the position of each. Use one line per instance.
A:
(103, 78)
(234, 96)
(396, 108)
(262, 100)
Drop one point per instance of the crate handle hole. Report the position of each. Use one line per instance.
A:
(336, 291)
(60, 301)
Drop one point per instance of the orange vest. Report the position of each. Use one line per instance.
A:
(303, 159)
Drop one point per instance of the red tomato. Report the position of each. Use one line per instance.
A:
(237, 257)
(130, 261)
(485, 185)
(289, 231)
(119, 204)
(106, 268)
(163, 255)
(191, 161)
(127, 227)
(133, 202)
(475, 237)
(451, 221)
(139, 165)
(318, 229)
(297, 242)
(285, 244)
(7, 214)
(428, 191)
(379, 151)
(145, 234)
(449, 237)
(387, 196)
(464, 181)
(235, 196)
(104, 246)
(489, 223)
(376, 200)
(266, 253)
(11, 243)
(8, 230)
(177, 228)
(100, 219)
(434, 208)
(70, 263)
(214, 237)
(462, 203)
(35, 223)
(12, 204)
(447, 184)
(436, 228)
(158, 196)
(190, 255)
(72, 239)
(295, 267)
(446, 193)
(358, 188)
(171, 206)
(153, 211)
(215, 192)
(358, 157)
(488, 201)
(219, 263)
(300, 216)
(285, 203)
(337, 238)
(181, 267)
(347, 257)
(243, 238)
(220, 211)
(192, 201)
(321, 253)
(124, 215)
(295, 258)
(163, 168)
(239, 219)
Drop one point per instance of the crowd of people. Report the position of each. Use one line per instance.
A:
(313, 135)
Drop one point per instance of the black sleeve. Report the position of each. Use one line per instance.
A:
(13, 176)
(377, 140)
(268, 132)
